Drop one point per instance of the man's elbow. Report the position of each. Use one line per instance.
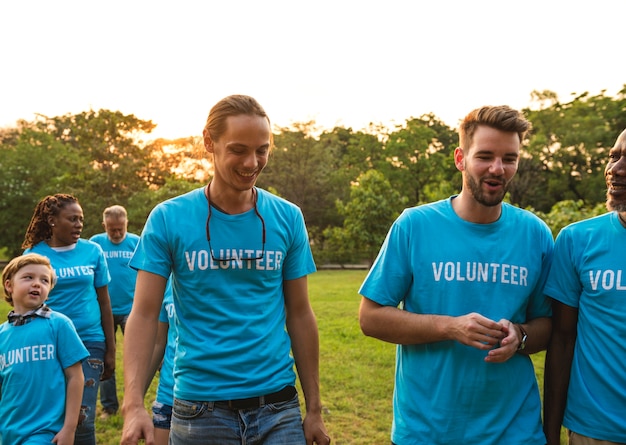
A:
(367, 322)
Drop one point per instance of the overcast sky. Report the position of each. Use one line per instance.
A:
(337, 62)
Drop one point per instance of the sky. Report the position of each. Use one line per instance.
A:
(342, 63)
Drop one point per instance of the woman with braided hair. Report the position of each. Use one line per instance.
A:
(81, 293)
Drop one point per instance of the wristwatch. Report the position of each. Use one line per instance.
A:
(522, 343)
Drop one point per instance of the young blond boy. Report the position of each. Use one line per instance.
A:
(41, 378)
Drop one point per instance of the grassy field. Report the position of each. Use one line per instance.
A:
(356, 372)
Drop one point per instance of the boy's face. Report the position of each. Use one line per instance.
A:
(29, 287)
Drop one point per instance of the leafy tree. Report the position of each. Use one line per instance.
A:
(564, 213)
(141, 204)
(349, 155)
(109, 142)
(184, 157)
(298, 170)
(420, 159)
(97, 156)
(31, 163)
(314, 172)
(569, 144)
(372, 208)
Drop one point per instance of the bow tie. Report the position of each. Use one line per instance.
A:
(20, 319)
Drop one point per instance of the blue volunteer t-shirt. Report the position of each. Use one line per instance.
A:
(433, 262)
(123, 277)
(33, 357)
(232, 341)
(80, 271)
(589, 273)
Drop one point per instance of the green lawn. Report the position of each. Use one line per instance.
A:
(356, 372)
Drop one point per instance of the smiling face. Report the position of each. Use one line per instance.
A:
(67, 225)
(615, 176)
(29, 287)
(241, 152)
(489, 164)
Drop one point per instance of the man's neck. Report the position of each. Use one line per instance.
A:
(470, 210)
(229, 200)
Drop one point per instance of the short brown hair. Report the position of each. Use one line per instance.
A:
(501, 117)
(22, 261)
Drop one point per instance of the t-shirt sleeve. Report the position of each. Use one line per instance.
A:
(70, 348)
(152, 253)
(299, 261)
(103, 277)
(390, 277)
(563, 282)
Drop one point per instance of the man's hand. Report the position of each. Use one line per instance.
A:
(109, 365)
(314, 430)
(508, 345)
(477, 331)
(137, 425)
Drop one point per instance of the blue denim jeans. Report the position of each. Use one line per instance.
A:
(92, 368)
(161, 415)
(195, 423)
(108, 387)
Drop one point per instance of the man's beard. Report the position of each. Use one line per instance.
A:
(481, 197)
(612, 204)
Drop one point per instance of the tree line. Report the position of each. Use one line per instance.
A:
(350, 184)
